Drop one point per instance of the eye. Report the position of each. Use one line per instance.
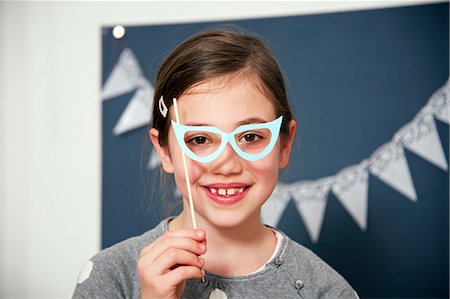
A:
(198, 140)
(250, 137)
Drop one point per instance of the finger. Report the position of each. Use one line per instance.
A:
(183, 273)
(173, 258)
(169, 240)
(197, 234)
(168, 261)
(187, 245)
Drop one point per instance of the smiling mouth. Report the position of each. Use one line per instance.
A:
(228, 191)
(227, 194)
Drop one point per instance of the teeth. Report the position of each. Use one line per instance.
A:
(231, 191)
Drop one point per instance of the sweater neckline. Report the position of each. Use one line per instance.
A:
(279, 252)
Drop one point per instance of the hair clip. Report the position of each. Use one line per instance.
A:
(162, 107)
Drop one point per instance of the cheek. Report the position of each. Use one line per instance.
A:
(267, 167)
(195, 170)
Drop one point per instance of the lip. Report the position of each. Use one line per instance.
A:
(227, 185)
(227, 199)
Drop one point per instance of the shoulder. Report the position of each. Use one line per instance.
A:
(312, 274)
(112, 272)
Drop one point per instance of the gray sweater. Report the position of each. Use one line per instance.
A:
(294, 272)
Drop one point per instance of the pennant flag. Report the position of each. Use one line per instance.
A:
(311, 200)
(389, 164)
(351, 188)
(421, 137)
(430, 148)
(138, 111)
(439, 103)
(274, 207)
(125, 76)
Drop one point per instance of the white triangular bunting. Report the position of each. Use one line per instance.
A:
(439, 103)
(312, 212)
(444, 115)
(389, 164)
(311, 200)
(137, 113)
(125, 76)
(274, 207)
(429, 147)
(351, 189)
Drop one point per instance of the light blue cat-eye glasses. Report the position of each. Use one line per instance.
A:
(205, 143)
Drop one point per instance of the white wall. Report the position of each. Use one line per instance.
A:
(50, 120)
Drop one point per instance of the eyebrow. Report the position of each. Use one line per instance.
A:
(251, 120)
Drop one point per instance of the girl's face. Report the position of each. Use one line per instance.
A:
(229, 190)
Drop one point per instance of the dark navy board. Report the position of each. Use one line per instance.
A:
(355, 79)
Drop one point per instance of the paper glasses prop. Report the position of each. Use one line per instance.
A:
(205, 143)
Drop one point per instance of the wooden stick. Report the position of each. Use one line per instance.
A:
(186, 174)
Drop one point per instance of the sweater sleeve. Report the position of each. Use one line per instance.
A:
(98, 279)
(112, 272)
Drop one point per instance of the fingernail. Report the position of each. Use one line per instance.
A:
(201, 261)
(199, 233)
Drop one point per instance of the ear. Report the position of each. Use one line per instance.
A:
(286, 145)
(163, 151)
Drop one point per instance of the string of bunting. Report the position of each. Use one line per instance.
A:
(350, 185)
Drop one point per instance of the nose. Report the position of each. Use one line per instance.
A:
(227, 163)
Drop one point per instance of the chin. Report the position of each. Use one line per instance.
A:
(229, 212)
(227, 219)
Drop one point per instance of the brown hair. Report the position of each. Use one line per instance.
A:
(215, 53)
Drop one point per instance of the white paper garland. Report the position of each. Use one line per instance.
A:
(388, 162)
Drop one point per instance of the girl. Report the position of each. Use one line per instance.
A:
(219, 101)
